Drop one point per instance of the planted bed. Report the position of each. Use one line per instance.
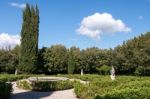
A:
(45, 83)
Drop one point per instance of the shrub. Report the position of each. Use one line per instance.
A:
(81, 90)
(9, 78)
(139, 71)
(104, 70)
(5, 90)
(124, 87)
(45, 85)
(147, 71)
(126, 94)
(142, 71)
(24, 84)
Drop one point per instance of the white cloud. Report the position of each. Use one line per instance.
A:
(141, 18)
(13, 4)
(95, 25)
(7, 40)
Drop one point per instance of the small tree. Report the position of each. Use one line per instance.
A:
(139, 71)
(104, 70)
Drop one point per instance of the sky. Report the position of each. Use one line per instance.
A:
(81, 23)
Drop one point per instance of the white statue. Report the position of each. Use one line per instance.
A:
(112, 73)
(81, 72)
(16, 72)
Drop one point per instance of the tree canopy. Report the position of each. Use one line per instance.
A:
(29, 40)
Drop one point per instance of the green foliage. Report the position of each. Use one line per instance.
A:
(81, 91)
(52, 86)
(104, 70)
(71, 63)
(5, 90)
(124, 87)
(139, 71)
(9, 78)
(29, 40)
(133, 55)
(24, 85)
(56, 59)
(41, 62)
(45, 85)
(9, 59)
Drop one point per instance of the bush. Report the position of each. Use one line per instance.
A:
(45, 85)
(147, 71)
(5, 90)
(9, 78)
(126, 94)
(104, 70)
(124, 87)
(142, 71)
(24, 84)
(139, 71)
(82, 91)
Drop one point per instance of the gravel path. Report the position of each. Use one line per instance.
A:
(26, 94)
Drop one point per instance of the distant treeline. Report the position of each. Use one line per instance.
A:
(132, 58)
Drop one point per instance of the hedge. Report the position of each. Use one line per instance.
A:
(45, 85)
(5, 90)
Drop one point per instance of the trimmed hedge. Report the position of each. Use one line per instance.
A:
(124, 87)
(5, 90)
(45, 85)
(9, 78)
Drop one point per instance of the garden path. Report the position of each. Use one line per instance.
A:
(26, 94)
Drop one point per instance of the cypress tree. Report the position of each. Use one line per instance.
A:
(29, 40)
(71, 63)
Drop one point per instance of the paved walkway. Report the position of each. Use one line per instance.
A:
(26, 94)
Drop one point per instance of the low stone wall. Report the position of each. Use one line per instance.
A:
(47, 79)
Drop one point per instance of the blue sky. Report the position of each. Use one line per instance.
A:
(60, 21)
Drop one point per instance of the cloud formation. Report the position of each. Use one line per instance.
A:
(13, 4)
(7, 40)
(95, 25)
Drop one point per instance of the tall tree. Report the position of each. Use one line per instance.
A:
(71, 62)
(29, 40)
